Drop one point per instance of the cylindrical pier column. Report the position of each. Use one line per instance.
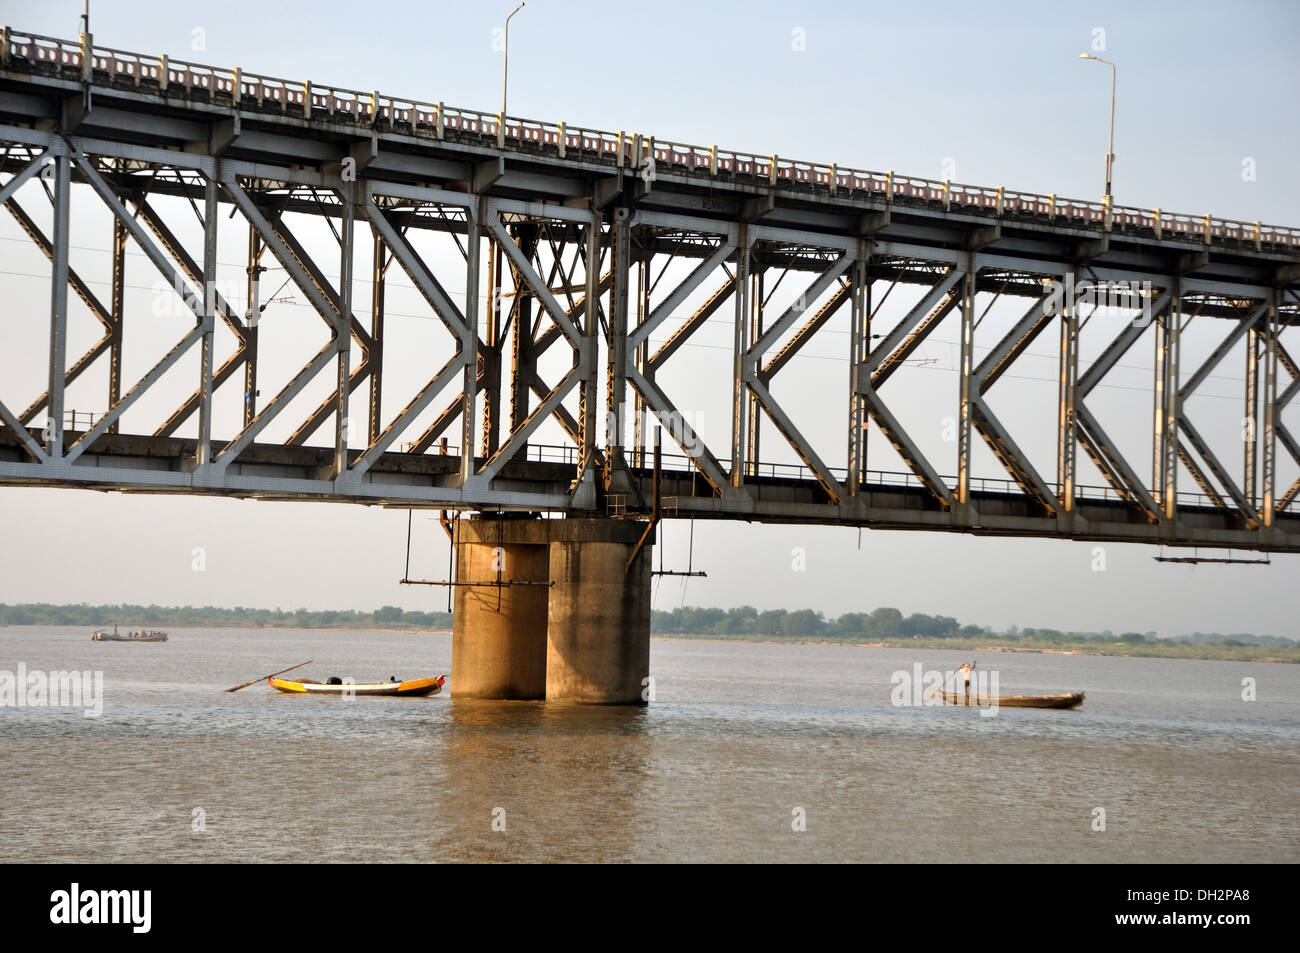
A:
(598, 631)
(579, 632)
(498, 645)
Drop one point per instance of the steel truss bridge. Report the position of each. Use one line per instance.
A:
(574, 225)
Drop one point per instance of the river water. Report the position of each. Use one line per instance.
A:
(743, 743)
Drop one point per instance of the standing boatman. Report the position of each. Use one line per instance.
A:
(964, 672)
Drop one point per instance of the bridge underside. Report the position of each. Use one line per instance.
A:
(569, 270)
(131, 464)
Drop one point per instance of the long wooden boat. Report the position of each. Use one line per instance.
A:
(138, 636)
(413, 687)
(1064, 700)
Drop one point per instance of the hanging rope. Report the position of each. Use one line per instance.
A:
(409, 515)
(690, 550)
(661, 547)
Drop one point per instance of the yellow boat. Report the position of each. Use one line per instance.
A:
(413, 687)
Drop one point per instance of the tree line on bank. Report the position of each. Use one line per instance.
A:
(743, 621)
(889, 623)
(96, 616)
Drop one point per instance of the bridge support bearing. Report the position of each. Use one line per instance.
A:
(584, 639)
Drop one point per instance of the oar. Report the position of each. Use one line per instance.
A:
(272, 675)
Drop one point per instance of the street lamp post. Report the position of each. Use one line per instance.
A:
(1110, 148)
(87, 52)
(505, 73)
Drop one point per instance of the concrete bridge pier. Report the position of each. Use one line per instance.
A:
(498, 639)
(598, 623)
(581, 635)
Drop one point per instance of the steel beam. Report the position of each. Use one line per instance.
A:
(380, 260)
(58, 309)
(1250, 420)
(859, 292)
(469, 344)
(966, 397)
(740, 348)
(252, 317)
(83, 291)
(342, 331)
(203, 454)
(34, 167)
(1165, 446)
(117, 318)
(1067, 395)
(1272, 407)
(418, 403)
(678, 295)
(619, 342)
(87, 440)
(588, 398)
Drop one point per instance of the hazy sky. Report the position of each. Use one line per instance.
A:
(988, 96)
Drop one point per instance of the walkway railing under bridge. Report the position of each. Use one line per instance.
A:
(680, 462)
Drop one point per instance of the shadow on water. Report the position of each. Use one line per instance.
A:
(539, 781)
(470, 714)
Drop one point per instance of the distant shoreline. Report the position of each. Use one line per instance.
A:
(166, 626)
(1202, 651)
(1176, 650)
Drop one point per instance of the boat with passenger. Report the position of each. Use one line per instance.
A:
(1063, 700)
(136, 635)
(337, 686)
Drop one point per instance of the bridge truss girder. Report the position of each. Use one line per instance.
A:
(580, 274)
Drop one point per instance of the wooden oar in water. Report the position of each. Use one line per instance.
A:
(272, 675)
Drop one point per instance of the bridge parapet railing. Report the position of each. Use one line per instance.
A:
(569, 454)
(465, 121)
(880, 478)
(591, 143)
(435, 119)
(552, 453)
